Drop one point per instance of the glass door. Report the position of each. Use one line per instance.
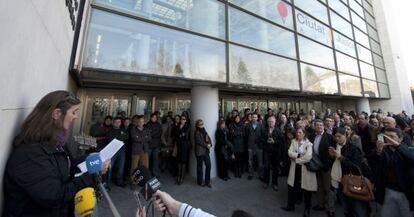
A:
(163, 105)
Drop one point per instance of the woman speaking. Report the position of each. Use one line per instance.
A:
(38, 179)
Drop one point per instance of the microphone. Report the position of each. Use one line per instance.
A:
(141, 177)
(94, 166)
(85, 201)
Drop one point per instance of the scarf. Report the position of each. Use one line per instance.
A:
(336, 172)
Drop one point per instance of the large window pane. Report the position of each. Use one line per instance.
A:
(341, 25)
(361, 38)
(378, 62)
(274, 10)
(381, 76)
(356, 7)
(312, 28)
(189, 14)
(260, 69)
(314, 8)
(315, 53)
(350, 85)
(344, 44)
(316, 79)
(375, 47)
(370, 88)
(347, 64)
(364, 54)
(359, 22)
(383, 90)
(123, 44)
(367, 71)
(339, 8)
(257, 33)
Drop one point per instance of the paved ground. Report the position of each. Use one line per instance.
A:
(220, 200)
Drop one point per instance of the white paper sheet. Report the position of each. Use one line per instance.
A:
(107, 153)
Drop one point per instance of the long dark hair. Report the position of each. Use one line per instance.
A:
(39, 126)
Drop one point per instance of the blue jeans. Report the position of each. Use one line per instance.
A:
(259, 155)
(353, 207)
(154, 161)
(117, 164)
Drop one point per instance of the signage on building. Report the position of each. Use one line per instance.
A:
(72, 6)
(313, 29)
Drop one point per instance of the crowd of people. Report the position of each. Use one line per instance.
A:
(315, 151)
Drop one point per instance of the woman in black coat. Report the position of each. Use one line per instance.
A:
(223, 150)
(182, 141)
(38, 179)
(237, 139)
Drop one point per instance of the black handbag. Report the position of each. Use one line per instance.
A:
(315, 164)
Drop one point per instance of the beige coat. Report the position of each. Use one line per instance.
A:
(309, 182)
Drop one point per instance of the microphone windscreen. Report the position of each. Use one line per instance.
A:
(140, 176)
(94, 163)
(85, 201)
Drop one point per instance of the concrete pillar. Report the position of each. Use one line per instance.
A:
(204, 105)
(363, 105)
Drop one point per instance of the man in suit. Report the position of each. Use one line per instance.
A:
(321, 141)
(254, 134)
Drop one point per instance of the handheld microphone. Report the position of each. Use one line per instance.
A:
(85, 201)
(141, 177)
(94, 166)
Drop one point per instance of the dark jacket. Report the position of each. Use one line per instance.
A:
(156, 131)
(327, 141)
(201, 143)
(401, 161)
(38, 182)
(237, 134)
(351, 159)
(140, 140)
(279, 141)
(223, 146)
(365, 135)
(120, 134)
(183, 143)
(254, 136)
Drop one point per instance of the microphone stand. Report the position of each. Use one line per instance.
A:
(102, 189)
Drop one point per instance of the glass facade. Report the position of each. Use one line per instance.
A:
(317, 46)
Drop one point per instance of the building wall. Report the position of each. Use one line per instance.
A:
(35, 48)
(401, 98)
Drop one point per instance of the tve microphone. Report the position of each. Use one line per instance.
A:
(85, 201)
(94, 166)
(141, 177)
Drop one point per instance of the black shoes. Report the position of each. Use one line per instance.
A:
(306, 213)
(318, 208)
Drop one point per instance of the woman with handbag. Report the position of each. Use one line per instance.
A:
(300, 179)
(348, 161)
(203, 145)
(182, 148)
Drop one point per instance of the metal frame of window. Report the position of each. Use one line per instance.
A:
(227, 5)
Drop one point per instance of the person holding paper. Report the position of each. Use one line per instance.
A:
(140, 138)
(38, 179)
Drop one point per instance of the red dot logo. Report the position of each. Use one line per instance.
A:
(282, 8)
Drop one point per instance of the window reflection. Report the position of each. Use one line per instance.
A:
(120, 43)
(251, 31)
(381, 76)
(313, 29)
(361, 38)
(316, 79)
(314, 8)
(370, 88)
(274, 10)
(383, 90)
(350, 85)
(260, 69)
(347, 64)
(340, 24)
(315, 53)
(339, 8)
(364, 54)
(359, 22)
(187, 14)
(367, 71)
(356, 7)
(344, 44)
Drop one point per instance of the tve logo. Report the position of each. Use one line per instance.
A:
(94, 163)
